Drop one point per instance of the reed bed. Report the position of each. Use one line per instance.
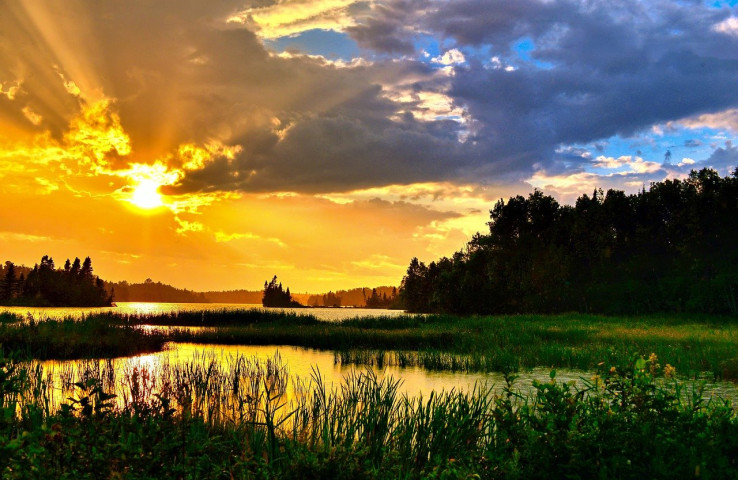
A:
(248, 419)
(693, 343)
(93, 337)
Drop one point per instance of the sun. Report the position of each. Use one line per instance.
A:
(146, 195)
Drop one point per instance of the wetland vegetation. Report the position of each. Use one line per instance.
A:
(206, 421)
(690, 343)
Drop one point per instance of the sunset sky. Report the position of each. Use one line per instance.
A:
(211, 144)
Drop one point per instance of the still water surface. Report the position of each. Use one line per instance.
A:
(301, 362)
(131, 308)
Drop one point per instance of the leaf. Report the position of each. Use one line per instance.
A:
(640, 364)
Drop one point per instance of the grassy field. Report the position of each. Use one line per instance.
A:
(690, 343)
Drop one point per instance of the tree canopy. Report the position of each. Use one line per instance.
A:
(74, 285)
(671, 248)
(275, 296)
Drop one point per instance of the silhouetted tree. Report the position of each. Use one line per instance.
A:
(275, 296)
(9, 285)
(45, 285)
(667, 248)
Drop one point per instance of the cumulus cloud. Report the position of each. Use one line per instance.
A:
(727, 119)
(729, 26)
(450, 57)
(193, 86)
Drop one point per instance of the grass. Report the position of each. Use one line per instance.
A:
(691, 343)
(92, 337)
(206, 420)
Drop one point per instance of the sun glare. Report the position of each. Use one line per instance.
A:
(146, 195)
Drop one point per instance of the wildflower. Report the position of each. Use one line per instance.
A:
(669, 371)
(653, 364)
(597, 380)
(613, 370)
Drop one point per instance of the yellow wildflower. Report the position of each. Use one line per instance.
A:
(653, 363)
(669, 371)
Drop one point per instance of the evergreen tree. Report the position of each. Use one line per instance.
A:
(275, 296)
(9, 284)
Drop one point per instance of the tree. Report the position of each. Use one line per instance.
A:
(9, 285)
(275, 296)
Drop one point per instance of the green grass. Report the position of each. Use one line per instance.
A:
(92, 337)
(205, 420)
(691, 343)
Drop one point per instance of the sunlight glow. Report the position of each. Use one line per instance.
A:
(147, 179)
(146, 195)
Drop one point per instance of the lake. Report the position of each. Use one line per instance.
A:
(300, 362)
(131, 308)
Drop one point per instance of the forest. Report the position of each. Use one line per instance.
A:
(378, 297)
(150, 291)
(670, 248)
(74, 285)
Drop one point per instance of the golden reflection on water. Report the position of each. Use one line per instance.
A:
(144, 308)
(213, 366)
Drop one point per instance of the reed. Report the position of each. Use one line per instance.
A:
(246, 419)
(694, 344)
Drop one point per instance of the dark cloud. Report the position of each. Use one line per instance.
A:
(180, 74)
(724, 159)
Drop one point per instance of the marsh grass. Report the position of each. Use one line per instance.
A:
(92, 337)
(693, 343)
(248, 419)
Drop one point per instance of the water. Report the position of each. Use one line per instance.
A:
(301, 361)
(129, 308)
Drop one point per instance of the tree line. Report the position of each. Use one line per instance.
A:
(378, 297)
(671, 248)
(150, 291)
(74, 285)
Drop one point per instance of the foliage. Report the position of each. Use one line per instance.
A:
(45, 285)
(668, 249)
(95, 336)
(275, 296)
(630, 421)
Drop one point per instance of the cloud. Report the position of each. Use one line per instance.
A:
(729, 26)
(279, 19)
(630, 163)
(727, 119)
(192, 86)
(450, 57)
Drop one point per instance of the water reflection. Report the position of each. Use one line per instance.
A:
(221, 367)
(138, 308)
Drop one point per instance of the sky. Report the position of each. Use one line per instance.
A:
(211, 144)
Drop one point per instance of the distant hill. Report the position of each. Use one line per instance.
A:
(379, 297)
(150, 291)
(234, 296)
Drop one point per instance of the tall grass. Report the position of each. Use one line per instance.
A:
(247, 419)
(92, 337)
(693, 344)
